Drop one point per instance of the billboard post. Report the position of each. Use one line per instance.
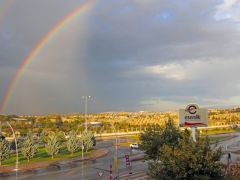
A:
(193, 116)
(194, 133)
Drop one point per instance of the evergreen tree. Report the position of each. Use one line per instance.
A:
(156, 136)
(190, 160)
(177, 156)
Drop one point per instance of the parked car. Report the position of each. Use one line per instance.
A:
(134, 146)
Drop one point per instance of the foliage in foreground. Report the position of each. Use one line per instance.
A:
(156, 136)
(177, 156)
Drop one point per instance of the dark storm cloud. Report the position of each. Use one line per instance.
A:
(160, 33)
(189, 33)
(135, 54)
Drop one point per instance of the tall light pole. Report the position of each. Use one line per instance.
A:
(82, 160)
(85, 114)
(16, 145)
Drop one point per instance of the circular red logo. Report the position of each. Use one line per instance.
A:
(192, 109)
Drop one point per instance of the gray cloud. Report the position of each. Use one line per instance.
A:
(126, 54)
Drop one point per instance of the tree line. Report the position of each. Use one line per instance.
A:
(51, 141)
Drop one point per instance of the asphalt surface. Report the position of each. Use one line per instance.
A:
(232, 145)
(90, 169)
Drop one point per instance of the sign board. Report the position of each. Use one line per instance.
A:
(100, 173)
(193, 116)
(127, 160)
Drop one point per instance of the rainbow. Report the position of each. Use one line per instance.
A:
(43, 42)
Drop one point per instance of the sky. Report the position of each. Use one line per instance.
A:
(129, 55)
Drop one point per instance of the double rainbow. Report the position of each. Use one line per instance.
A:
(43, 42)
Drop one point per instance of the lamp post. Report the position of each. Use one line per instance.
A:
(85, 111)
(82, 160)
(16, 145)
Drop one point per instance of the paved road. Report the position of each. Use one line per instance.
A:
(88, 169)
(232, 145)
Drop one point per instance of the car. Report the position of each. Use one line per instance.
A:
(134, 146)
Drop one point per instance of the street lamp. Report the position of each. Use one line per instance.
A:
(82, 160)
(85, 114)
(16, 145)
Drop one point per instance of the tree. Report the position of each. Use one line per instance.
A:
(183, 160)
(73, 142)
(53, 142)
(155, 137)
(190, 160)
(86, 138)
(59, 122)
(33, 122)
(3, 119)
(4, 150)
(29, 147)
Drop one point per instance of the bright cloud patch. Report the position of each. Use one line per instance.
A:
(171, 71)
(229, 9)
(193, 70)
